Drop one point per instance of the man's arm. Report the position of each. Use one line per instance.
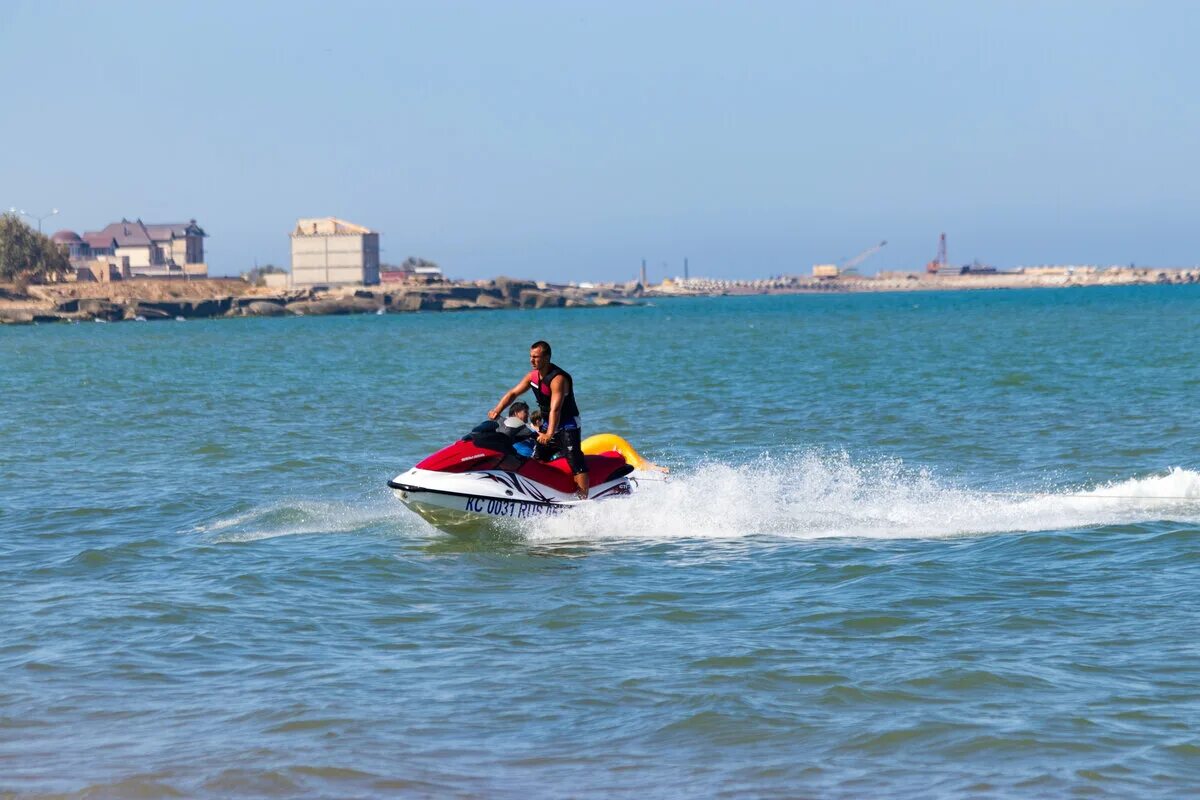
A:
(557, 392)
(512, 394)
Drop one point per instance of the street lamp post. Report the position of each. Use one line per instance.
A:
(25, 213)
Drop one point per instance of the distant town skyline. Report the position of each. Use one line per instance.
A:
(569, 142)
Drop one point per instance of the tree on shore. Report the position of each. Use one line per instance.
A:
(254, 277)
(28, 256)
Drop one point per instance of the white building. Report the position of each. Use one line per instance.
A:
(328, 251)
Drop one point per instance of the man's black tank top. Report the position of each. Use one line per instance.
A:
(541, 390)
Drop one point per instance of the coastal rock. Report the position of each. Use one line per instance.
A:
(306, 308)
(264, 308)
(491, 301)
(511, 288)
(157, 309)
(250, 299)
(416, 301)
(469, 293)
(535, 298)
(334, 306)
(15, 316)
(458, 305)
(213, 307)
(362, 305)
(170, 309)
(99, 308)
(148, 311)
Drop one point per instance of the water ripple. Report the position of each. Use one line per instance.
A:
(883, 565)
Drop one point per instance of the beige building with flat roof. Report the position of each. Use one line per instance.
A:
(327, 251)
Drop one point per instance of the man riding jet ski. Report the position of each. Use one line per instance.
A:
(560, 433)
(482, 477)
(487, 473)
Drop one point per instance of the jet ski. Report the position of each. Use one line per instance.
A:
(481, 478)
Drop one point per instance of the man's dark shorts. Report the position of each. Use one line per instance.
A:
(566, 444)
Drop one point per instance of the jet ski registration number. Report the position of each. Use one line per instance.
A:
(511, 508)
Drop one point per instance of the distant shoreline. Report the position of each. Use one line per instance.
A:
(1032, 278)
(149, 299)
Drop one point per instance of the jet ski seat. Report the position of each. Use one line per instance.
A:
(602, 467)
(557, 473)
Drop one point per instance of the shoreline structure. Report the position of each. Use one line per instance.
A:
(1023, 278)
(151, 299)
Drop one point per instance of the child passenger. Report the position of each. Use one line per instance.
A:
(517, 426)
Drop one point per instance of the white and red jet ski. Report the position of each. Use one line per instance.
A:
(480, 478)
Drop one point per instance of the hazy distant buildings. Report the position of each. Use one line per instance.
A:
(412, 270)
(328, 251)
(825, 270)
(137, 249)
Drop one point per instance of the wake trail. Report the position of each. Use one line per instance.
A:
(292, 517)
(813, 496)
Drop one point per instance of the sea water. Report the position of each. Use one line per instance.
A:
(912, 545)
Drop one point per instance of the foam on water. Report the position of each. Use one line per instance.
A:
(294, 517)
(801, 496)
(812, 495)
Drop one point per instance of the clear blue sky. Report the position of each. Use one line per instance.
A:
(569, 141)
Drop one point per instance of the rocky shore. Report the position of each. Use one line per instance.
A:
(149, 299)
(158, 300)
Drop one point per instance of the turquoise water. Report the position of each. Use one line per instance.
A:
(913, 545)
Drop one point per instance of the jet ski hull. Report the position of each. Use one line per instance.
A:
(452, 520)
(454, 500)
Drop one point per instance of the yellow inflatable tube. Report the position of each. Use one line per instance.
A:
(608, 442)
